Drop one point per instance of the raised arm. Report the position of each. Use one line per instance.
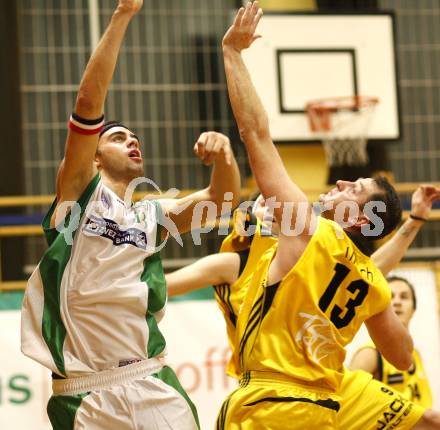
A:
(388, 256)
(77, 167)
(214, 269)
(267, 166)
(214, 149)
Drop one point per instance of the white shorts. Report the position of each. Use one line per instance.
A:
(141, 396)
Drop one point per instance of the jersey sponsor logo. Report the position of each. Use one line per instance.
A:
(111, 230)
(395, 413)
(123, 363)
(317, 336)
(351, 256)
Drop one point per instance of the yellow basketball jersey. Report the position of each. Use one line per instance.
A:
(230, 297)
(413, 384)
(300, 326)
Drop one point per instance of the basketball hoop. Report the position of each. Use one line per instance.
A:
(341, 123)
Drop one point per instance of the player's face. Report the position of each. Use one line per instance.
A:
(119, 155)
(358, 192)
(402, 301)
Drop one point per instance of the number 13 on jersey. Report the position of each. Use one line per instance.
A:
(341, 317)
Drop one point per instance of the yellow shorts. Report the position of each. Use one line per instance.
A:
(368, 404)
(269, 402)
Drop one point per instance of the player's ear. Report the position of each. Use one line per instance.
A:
(97, 159)
(361, 220)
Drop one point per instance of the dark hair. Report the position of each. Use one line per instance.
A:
(110, 124)
(411, 287)
(393, 213)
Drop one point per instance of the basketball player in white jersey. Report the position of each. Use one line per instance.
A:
(93, 304)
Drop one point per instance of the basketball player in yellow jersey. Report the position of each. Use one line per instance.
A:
(366, 404)
(312, 290)
(227, 272)
(413, 383)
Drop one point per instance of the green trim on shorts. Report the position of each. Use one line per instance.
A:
(62, 410)
(167, 375)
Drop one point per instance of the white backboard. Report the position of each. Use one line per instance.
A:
(302, 57)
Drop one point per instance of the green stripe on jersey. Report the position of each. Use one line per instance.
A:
(51, 268)
(154, 278)
(51, 233)
(156, 341)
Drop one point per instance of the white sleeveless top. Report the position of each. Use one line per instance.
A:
(94, 304)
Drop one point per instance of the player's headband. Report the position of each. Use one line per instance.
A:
(110, 124)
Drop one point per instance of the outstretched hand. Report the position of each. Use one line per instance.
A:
(241, 34)
(212, 146)
(131, 7)
(422, 200)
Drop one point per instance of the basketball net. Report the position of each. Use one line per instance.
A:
(342, 123)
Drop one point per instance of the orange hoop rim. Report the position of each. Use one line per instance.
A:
(320, 111)
(335, 104)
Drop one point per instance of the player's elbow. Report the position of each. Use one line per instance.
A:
(404, 362)
(401, 355)
(257, 132)
(86, 105)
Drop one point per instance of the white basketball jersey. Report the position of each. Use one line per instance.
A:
(94, 303)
